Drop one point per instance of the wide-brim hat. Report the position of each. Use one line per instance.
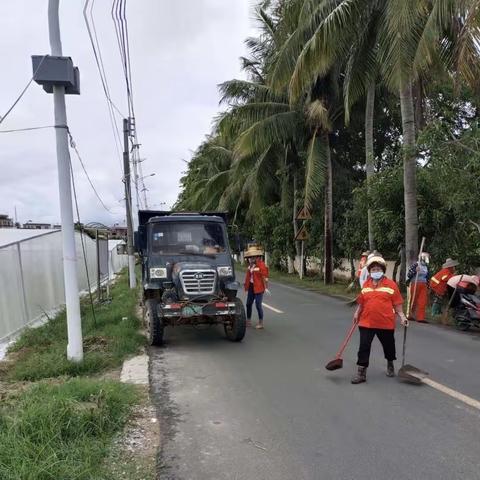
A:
(378, 260)
(254, 252)
(449, 263)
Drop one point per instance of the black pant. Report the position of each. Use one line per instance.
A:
(387, 339)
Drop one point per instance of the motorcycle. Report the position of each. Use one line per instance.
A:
(467, 312)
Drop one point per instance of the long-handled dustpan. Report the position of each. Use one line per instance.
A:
(337, 362)
(409, 373)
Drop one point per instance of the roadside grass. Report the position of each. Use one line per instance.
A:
(60, 419)
(41, 352)
(62, 431)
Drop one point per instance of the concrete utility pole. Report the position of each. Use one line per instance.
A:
(128, 203)
(72, 298)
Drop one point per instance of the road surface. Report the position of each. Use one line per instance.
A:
(266, 408)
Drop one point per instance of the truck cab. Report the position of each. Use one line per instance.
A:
(188, 275)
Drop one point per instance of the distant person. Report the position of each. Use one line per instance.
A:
(438, 284)
(379, 303)
(418, 278)
(256, 283)
(364, 271)
(361, 264)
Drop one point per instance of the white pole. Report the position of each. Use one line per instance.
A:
(72, 299)
(301, 261)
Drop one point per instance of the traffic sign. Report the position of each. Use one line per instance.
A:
(304, 214)
(302, 234)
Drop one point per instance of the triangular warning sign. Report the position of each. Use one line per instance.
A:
(304, 214)
(302, 234)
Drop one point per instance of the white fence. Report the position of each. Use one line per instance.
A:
(31, 276)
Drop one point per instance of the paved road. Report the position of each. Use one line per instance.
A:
(266, 409)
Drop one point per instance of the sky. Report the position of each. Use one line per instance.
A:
(180, 51)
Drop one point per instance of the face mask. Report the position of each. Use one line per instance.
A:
(376, 275)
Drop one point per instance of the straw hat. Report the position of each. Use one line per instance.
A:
(254, 251)
(449, 263)
(378, 260)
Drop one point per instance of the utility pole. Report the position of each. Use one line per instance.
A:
(128, 203)
(72, 298)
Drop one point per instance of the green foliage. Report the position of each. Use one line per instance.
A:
(307, 76)
(41, 352)
(53, 431)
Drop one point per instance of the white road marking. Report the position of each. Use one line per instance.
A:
(273, 309)
(452, 393)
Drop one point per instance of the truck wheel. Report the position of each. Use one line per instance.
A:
(154, 323)
(235, 331)
(462, 321)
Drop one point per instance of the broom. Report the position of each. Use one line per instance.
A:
(337, 362)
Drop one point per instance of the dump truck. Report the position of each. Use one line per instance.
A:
(188, 274)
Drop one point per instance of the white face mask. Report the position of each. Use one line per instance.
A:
(376, 275)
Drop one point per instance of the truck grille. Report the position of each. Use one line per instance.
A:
(198, 282)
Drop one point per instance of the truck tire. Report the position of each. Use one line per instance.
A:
(235, 331)
(154, 323)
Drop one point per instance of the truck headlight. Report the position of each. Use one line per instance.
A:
(158, 273)
(225, 271)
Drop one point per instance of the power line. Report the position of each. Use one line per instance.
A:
(120, 22)
(74, 146)
(84, 250)
(103, 77)
(22, 93)
(28, 129)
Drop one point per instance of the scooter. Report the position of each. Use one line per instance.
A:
(467, 311)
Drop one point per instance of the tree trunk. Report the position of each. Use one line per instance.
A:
(295, 224)
(409, 172)
(403, 268)
(398, 261)
(419, 113)
(295, 211)
(328, 235)
(369, 157)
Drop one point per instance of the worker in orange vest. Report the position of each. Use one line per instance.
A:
(256, 283)
(418, 278)
(379, 303)
(438, 284)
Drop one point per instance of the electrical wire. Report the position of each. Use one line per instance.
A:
(28, 129)
(23, 91)
(118, 13)
(74, 146)
(112, 108)
(84, 250)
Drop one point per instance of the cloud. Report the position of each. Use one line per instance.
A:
(180, 51)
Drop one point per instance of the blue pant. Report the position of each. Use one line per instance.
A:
(258, 298)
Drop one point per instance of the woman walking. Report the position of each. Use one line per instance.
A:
(256, 283)
(379, 303)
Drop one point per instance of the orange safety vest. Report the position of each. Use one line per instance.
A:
(260, 274)
(438, 283)
(378, 304)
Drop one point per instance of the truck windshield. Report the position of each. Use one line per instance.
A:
(187, 238)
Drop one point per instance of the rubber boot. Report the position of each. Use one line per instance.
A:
(360, 376)
(390, 369)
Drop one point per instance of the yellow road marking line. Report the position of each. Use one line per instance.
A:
(452, 393)
(273, 309)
